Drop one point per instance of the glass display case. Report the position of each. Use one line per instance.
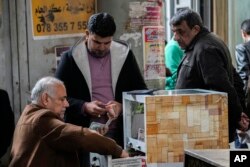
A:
(160, 125)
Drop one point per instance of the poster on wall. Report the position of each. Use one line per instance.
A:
(153, 52)
(144, 13)
(64, 18)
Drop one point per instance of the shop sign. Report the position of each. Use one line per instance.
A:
(53, 18)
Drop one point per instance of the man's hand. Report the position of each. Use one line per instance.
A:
(114, 109)
(98, 128)
(244, 122)
(103, 130)
(95, 108)
(124, 154)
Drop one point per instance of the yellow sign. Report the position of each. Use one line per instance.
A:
(60, 17)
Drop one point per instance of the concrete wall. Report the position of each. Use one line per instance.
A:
(127, 30)
(5, 52)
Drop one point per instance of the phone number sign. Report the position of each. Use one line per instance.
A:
(60, 18)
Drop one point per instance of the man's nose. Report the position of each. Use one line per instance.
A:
(176, 37)
(66, 103)
(102, 46)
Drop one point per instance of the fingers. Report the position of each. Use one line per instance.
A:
(124, 154)
(244, 117)
(95, 108)
(102, 129)
(114, 109)
(244, 124)
(111, 112)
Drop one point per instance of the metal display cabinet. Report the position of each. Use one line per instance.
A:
(160, 126)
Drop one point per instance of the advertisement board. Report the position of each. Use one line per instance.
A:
(52, 18)
(153, 51)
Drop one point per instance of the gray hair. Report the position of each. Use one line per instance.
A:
(45, 84)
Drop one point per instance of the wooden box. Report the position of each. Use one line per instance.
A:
(162, 125)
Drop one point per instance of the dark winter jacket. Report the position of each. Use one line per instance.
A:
(74, 71)
(7, 124)
(207, 65)
(242, 55)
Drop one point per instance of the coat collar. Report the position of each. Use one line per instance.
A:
(204, 31)
(118, 53)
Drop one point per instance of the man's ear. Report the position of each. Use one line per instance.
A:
(44, 98)
(87, 32)
(197, 29)
(244, 34)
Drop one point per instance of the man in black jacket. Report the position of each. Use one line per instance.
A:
(207, 62)
(242, 54)
(7, 124)
(96, 71)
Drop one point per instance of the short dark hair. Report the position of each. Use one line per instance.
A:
(102, 24)
(245, 26)
(191, 17)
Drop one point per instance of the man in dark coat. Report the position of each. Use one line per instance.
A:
(96, 71)
(7, 124)
(207, 62)
(242, 55)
